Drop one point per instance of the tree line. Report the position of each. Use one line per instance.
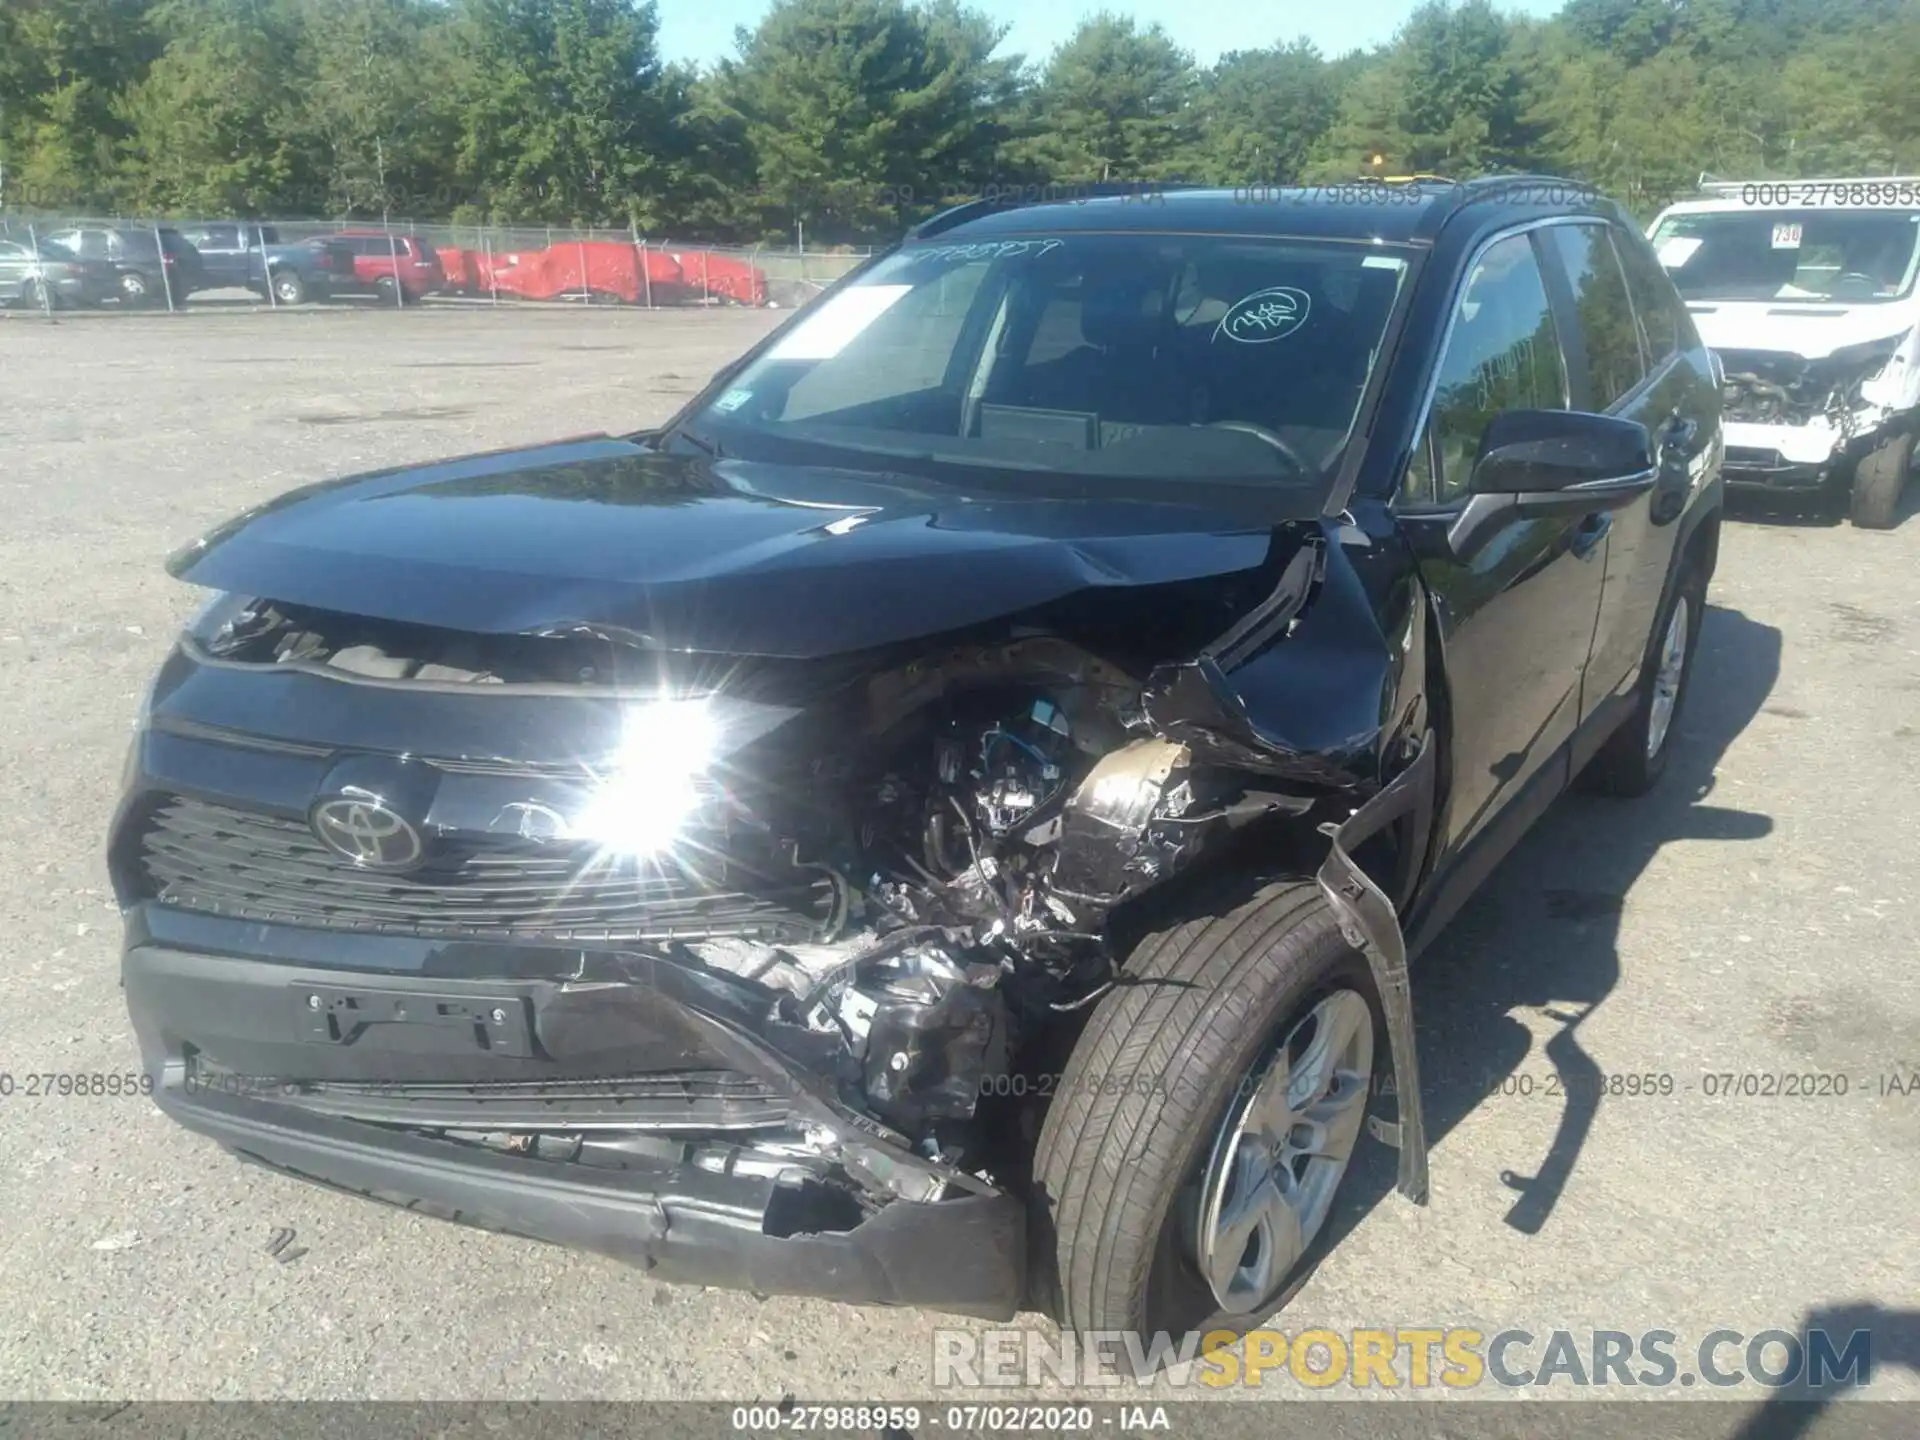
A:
(850, 117)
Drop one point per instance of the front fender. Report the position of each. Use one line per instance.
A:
(1370, 925)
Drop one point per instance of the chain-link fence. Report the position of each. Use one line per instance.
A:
(124, 264)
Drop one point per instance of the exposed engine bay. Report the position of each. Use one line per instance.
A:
(1776, 388)
(929, 857)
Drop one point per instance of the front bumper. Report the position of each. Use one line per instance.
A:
(732, 1227)
(1801, 458)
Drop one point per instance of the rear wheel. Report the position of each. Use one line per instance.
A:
(1205, 1121)
(1635, 756)
(36, 296)
(1878, 482)
(387, 290)
(289, 288)
(135, 288)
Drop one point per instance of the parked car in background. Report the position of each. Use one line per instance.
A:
(1806, 291)
(43, 274)
(945, 818)
(150, 266)
(242, 255)
(392, 267)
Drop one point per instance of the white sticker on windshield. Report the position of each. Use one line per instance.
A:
(1786, 237)
(1676, 250)
(828, 330)
(1271, 314)
(733, 400)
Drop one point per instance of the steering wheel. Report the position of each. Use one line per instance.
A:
(1260, 432)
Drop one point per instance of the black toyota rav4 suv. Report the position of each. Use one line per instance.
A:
(944, 820)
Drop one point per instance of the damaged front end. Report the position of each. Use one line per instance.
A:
(1791, 419)
(731, 966)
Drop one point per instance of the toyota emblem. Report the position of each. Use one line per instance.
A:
(362, 828)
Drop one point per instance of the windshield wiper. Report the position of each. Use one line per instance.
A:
(710, 448)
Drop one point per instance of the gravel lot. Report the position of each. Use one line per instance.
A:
(1755, 916)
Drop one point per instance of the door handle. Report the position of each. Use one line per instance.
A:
(1589, 534)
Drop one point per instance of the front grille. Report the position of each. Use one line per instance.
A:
(253, 866)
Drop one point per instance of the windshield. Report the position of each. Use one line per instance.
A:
(1136, 356)
(1849, 255)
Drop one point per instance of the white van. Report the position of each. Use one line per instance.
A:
(1805, 290)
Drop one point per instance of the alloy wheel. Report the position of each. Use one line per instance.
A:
(1667, 676)
(1281, 1152)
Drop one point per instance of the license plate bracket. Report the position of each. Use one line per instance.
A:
(344, 1015)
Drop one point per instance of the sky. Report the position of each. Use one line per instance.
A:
(702, 30)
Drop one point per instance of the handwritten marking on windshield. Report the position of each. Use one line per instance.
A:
(987, 250)
(1270, 314)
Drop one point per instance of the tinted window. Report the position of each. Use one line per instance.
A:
(1503, 354)
(216, 237)
(1608, 330)
(1663, 319)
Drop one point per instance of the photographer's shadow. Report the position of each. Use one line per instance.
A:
(1542, 935)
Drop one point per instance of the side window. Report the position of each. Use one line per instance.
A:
(1614, 362)
(1663, 318)
(1503, 354)
(216, 237)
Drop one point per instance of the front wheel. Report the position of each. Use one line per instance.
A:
(1205, 1121)
(289, 288)
(135, 288)
(1878, 481)
(387, 290)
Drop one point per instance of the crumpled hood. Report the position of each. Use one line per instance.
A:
(691, 554)
(1812, 331)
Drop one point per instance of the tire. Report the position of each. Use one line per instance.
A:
(387, 290)
(1139, 1115)
(35, 296)
(1878, 482)
(135, 288)
(1631, 763)
(288, 287)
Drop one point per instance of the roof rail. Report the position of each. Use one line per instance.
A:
(1019, 198)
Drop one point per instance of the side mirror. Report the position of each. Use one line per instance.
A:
(1536, 464)
(1537, 452)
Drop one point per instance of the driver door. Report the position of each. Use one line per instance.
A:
(1518, 615)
